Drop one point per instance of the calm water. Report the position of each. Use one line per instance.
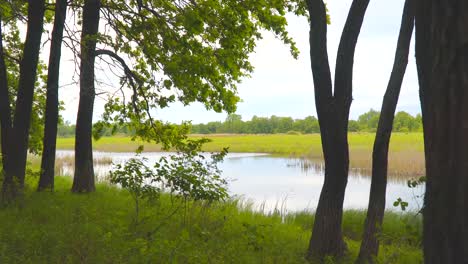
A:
(273, 182)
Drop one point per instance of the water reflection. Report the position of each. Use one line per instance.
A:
(273, 182)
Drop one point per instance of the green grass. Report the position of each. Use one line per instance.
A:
(62, 227)
(111, 144)
(284, 144)
(406, 157)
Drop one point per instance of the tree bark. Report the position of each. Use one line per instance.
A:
(442, 59)
(14, 177)
(333, 115)
(376, 209)
(5, 109)
(83, 180)
(46, 180)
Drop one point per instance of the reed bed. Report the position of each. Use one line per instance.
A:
(66, 161)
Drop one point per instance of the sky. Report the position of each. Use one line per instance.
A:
(281, 85)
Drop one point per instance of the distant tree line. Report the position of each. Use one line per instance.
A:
(403, 122)
(258, 125)
(68, 130)
(367, 122)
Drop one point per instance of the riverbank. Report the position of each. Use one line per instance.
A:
(406, 157)
(62, 227)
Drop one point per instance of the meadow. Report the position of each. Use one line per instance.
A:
(406, 157)
(101, 227)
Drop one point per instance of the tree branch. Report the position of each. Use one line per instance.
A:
(129, 74)
(319, 54)
(346, 49)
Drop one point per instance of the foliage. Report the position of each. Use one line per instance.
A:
(258, 125)
(401, 203)
(403, 122)
(186, 173)
(368, 122)
(182, 50)
(66, 130)
(193, 175)
(412, 184)
(135, 177)
(13, 48)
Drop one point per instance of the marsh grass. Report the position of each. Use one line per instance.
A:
(61, 227)
(65, 161)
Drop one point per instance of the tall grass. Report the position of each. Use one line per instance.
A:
(61, 227)
(67, 160)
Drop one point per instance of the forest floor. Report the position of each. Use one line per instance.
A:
(406, 156)
(101, 227)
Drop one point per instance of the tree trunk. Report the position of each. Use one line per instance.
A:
(442, 59)
(333, 115)
(5, 109)
(46, 180)
(83, 180)
(22, 118)
(375, 212)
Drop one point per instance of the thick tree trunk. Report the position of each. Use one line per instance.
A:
(442, 58)
(327, 238)
(22, 118)
(333, 114)
(83, 180)
(5, 109)
(46, 180)
(375, 212)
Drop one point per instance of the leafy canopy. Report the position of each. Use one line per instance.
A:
(187, 51)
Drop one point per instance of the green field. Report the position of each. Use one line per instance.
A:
(61, 227)
(406, 156)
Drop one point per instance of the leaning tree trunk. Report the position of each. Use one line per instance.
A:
(375, 212)
(333, 115)
(46, 180)
(14, 177)
(442, 59)
(83, 180)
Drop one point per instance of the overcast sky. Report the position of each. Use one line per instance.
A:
(283, 86)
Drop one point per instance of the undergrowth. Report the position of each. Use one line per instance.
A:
(61, 227)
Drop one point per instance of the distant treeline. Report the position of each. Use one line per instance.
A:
(367, 122)
(68, 130)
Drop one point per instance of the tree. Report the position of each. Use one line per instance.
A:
(376, 209)
(353, 126)
(333, 114)
(15, 130)
(83, 180)
(46, 180)
(285, 124)
(405, 122)
(369, 120)
(197, 50)
(233, 123)
(441, 57)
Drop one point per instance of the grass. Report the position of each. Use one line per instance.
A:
(65, 161)
(406, 157)
(62, 227)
